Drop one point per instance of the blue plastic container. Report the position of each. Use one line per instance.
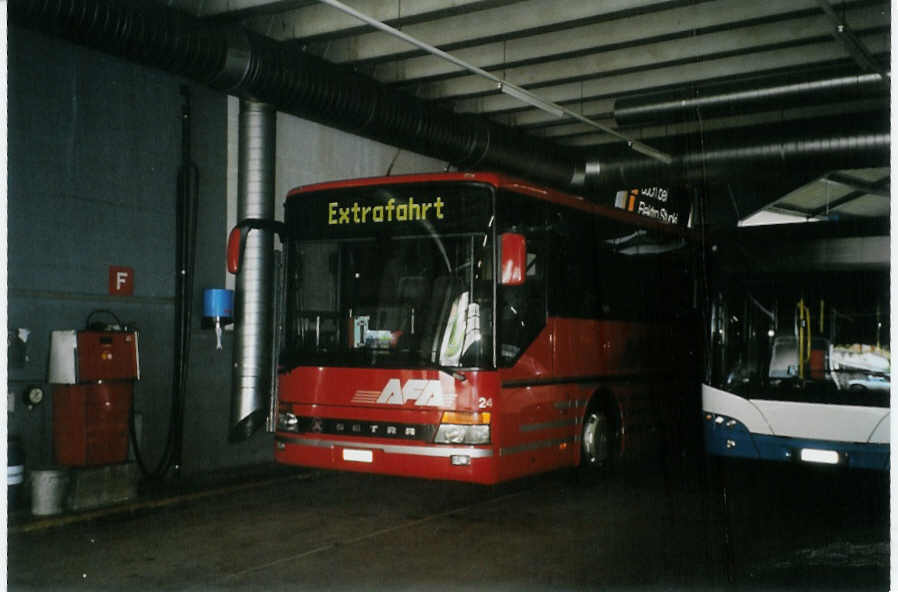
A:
(219, 303)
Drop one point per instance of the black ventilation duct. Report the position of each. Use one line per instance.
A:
(775, 92)
(256, 68)
(772, 158)
(799, 149)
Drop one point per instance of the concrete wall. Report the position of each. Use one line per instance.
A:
(89, 187)
(94, 149)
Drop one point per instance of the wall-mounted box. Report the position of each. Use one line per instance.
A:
(88, 356)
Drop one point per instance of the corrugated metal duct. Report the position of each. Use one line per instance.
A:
(251, 383)
(266, 73)
(253, 67)
(770, 151)
(748, 96)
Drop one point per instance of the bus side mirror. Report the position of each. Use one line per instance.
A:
(234, 240)
(237, 238)
(513, 255)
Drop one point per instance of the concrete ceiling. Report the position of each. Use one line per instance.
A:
(595, 58)
(850, 193)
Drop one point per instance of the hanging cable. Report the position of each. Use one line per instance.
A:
(188, 190)
(186, 207)
(89, 322)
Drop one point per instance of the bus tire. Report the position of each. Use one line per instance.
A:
(597, 439)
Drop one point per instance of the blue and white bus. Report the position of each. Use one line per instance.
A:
(798, 365)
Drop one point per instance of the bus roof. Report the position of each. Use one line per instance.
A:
(495, 179)
(499, 181)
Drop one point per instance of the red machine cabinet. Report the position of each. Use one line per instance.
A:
(90, 423)
(93, 374)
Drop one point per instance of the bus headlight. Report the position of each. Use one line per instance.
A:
(457, 427)
(287, 422)
(451, 434)
(723, 420)
(478, 434)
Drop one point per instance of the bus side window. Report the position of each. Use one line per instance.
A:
(522, 309)
(573, 268)
(618, 281)
(628, 277)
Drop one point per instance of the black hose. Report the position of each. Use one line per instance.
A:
(187, 207)
(188, 182)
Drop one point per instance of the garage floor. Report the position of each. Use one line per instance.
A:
(648, 529)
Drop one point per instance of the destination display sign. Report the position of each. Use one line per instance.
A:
(392, 209)
(403, 209)
(664, 204)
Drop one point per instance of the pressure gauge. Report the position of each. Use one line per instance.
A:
(34, 395)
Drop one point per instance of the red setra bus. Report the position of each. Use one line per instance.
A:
(474, 327)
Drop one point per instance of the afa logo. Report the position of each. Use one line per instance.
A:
(427, 393)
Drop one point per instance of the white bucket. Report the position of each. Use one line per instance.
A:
(48, 489)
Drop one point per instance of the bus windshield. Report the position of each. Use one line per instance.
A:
(802, 335)
(391, 276)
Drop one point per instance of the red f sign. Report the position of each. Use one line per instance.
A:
(121, 280)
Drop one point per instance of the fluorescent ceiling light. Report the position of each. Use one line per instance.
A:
(769, 218)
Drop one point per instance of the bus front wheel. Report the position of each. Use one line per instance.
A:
(597, 439)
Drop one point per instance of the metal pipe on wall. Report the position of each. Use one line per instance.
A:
(251, 377)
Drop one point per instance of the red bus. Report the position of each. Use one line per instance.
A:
(475, 327)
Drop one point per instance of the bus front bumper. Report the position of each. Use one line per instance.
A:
(474, 464)
(725, 436)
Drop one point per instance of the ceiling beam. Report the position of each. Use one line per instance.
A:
(466, 28)
(653, 80)
(867, 187)
(816, 212)
(597, 109)
(814, 86)
(243, 8)
(789, 209)
(844, 34)
(792, 32)
(582, 136)
(877, 186)
(317, 21)
(504, 86)
(592, 38)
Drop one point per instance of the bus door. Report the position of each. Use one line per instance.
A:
(531, 395)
